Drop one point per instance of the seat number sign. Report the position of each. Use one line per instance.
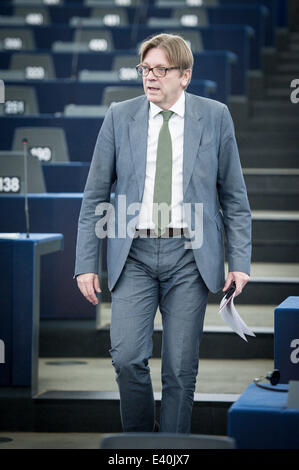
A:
(10, 184)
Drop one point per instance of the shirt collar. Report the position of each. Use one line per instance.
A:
(178, 107)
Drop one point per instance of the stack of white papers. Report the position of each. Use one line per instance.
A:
(230, 316)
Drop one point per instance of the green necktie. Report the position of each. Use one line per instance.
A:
(163, 177)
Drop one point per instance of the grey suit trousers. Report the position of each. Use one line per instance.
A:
(158, 272)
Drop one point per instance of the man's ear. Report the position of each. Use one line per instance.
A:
(186, 78)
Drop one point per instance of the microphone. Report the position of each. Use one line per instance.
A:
(273, 378)
(25, 142)
(75, 56)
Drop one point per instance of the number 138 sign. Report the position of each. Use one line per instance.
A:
(10, 184)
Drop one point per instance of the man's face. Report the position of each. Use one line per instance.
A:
(164, 92)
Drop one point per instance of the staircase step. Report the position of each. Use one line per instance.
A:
(218, 342)
(258, 317)
(288, 216)
(50, 440)
(82, 395)
(97, 375)
(279, 93)
(271, 229)
(270, 282)
(280, 80)
(97, 411)
(262, 200)
(288, 56)
(279, 251)
(272, 182)
(272, 188)
(274, 123)
(272, 179)
(271, 108)
(269, 285)
(275, 239)
(288, 68)
(265, 140)
(259, 157)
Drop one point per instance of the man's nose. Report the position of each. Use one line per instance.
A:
(151, 75)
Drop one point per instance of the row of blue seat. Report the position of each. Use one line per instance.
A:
(239, 39)
(63, 13)
(75, 128)
(256, 16)
(278, 10)
(53, 95)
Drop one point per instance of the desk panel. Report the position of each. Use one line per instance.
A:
(259, 419)
(20, 297)
(52, 213)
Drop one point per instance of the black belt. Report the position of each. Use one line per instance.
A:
(169, 232)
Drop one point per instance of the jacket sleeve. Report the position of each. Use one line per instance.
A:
(101, 177)
(233, 198)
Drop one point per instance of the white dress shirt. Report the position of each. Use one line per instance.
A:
(176, 128)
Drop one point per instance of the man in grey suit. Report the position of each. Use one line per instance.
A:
(170, 149)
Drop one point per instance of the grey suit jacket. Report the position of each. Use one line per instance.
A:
(212, 176)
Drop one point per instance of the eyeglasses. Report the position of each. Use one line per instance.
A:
(159, 72)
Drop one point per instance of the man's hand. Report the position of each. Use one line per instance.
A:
(240, 279)
(88, 284)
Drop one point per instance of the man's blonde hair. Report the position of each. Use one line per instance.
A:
(176, 49)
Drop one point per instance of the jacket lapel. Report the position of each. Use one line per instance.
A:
(138, 130)
(192, 136)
